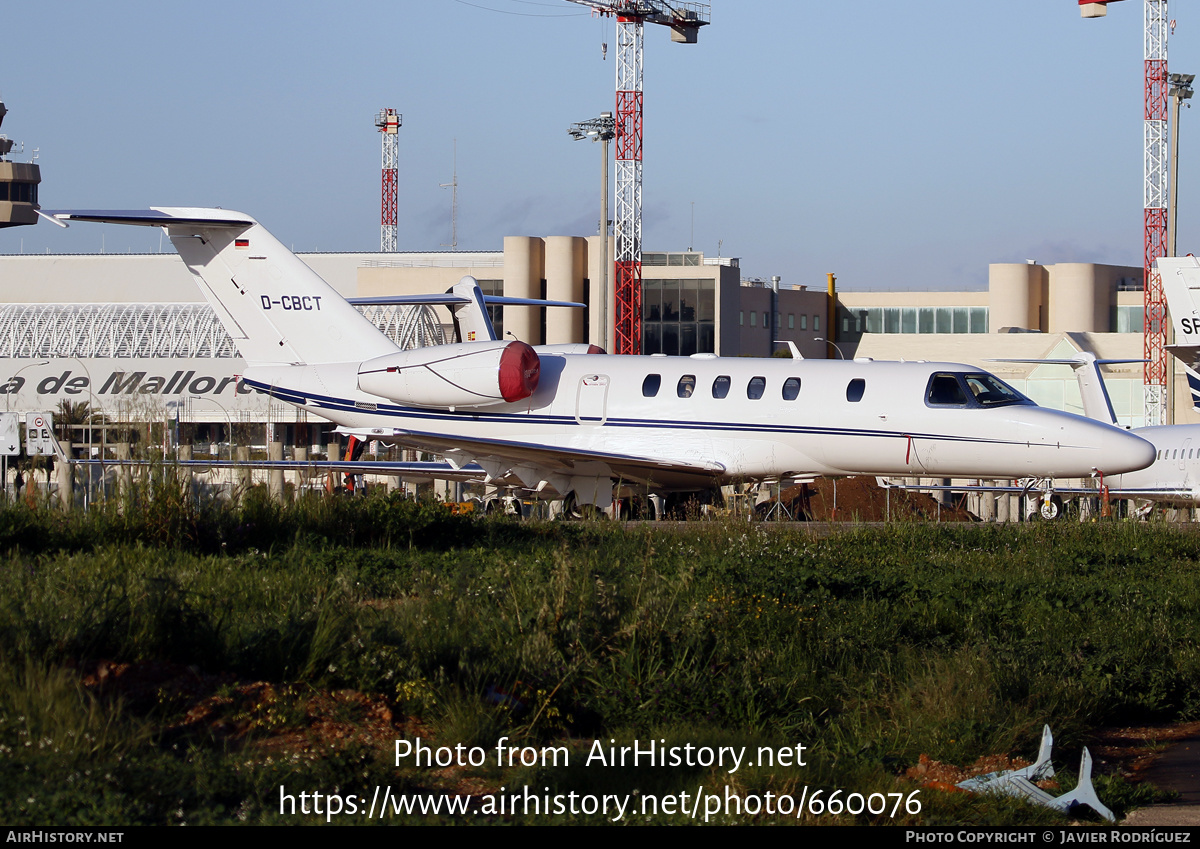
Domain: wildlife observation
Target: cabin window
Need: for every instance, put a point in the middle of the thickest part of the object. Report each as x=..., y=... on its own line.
x=855, y=389
x=756, y=387
x=720, y=386
x=650, y=385
x=687, y=385
x=945, y=391
x=791, y=388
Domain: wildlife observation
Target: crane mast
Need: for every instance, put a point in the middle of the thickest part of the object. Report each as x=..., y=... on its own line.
x=1154, y=191
x=627, y=238
x=684, y=19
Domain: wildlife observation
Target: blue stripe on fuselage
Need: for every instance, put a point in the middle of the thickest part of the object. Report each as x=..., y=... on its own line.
x=344, y=405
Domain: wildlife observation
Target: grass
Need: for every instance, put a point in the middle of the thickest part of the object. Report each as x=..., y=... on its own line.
x=241, y=625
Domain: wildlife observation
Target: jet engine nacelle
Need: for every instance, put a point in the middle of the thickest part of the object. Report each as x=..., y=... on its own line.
x=467, y=374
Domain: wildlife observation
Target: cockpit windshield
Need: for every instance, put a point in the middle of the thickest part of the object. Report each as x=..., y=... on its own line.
x=980, y=389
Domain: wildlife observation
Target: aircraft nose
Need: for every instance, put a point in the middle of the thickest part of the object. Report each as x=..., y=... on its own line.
x=1122, y=452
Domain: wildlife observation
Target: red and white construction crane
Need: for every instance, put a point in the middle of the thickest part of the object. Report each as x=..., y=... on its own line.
x=1155, y=195
x=388, y=123
x=685, y=20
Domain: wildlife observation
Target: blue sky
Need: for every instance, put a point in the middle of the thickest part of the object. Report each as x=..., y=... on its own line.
x=900, y=145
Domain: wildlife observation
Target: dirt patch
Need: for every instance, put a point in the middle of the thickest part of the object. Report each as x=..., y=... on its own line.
x=295, y=719
x=946, y=777
x=861, y=499
x=145, y=687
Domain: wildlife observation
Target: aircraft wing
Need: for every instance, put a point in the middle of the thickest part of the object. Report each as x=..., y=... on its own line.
x=1014, y=489
x=1154, y=493
x=482, y=460
x=407, y=470
x=533, y=463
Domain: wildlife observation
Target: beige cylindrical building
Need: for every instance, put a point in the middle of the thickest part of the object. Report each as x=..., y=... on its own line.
x=566, y=268
x=600, y=294
x=1080, y=303
x=1016, y=295
x=524, y=270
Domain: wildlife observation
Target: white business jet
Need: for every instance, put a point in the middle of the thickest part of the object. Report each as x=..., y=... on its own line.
x=573, y=423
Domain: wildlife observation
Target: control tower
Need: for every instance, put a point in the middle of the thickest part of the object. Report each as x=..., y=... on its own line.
x=18, y=185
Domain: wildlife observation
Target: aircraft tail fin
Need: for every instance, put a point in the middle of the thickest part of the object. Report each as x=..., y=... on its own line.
x=471, y=320
x=1096, y=401
x=277, y=309
x=1193, y=381
x=1181, y=287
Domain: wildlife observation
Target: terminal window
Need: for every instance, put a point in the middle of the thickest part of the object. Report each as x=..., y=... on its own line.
x=916, y=320
x=1128, y=319
x=679, y=317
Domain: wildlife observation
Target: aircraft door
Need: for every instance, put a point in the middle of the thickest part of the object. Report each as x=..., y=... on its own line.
x=1183, y=453
x=591, y=401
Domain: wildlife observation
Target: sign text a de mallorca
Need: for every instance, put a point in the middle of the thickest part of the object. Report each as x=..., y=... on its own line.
x=118, y=382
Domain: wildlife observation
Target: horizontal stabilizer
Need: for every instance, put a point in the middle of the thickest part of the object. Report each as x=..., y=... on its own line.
x=447, y=299
x=156, y=216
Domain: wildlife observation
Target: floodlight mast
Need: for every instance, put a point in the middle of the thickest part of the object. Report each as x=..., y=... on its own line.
x=602, y=129
x=685, y=20
x=1181, y=90
x=388, y=124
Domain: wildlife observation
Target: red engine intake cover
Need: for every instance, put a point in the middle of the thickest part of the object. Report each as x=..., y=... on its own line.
x=520, y=369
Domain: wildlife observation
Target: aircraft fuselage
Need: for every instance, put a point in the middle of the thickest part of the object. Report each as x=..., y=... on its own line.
x=744, y=418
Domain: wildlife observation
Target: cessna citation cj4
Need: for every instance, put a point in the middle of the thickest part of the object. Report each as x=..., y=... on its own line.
x=574, y=423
